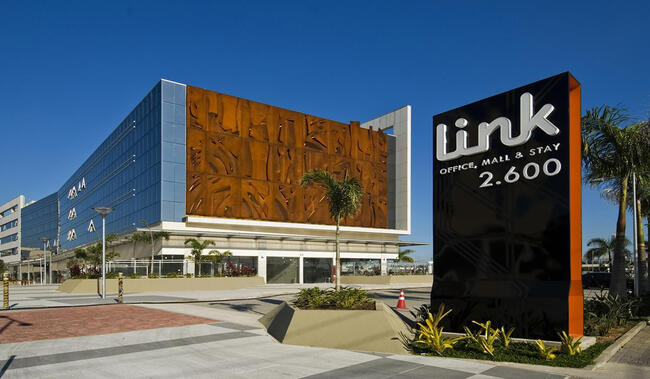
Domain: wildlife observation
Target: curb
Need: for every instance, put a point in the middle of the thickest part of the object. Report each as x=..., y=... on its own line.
x=608, y=353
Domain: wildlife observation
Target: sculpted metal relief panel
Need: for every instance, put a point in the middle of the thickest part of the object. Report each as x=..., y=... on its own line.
x=246, y=159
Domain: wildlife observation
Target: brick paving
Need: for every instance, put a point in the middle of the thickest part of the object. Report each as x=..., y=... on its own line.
x=637, y=351
x=42, y=324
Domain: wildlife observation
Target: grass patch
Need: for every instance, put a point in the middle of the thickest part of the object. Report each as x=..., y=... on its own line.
x=517, y=352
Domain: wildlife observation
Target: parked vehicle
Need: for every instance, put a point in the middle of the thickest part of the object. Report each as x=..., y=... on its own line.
x=601, y=280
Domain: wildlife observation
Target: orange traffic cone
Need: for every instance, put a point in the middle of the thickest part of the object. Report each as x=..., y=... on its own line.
x=401, y=302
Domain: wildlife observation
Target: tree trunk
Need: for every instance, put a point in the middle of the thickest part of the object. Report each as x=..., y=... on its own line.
x=648, y=281
x=617, y=286
x=152, y=254
x=338, y=256
x=642, y=259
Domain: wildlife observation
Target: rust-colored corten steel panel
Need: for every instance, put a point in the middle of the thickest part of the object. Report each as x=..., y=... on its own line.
x=245, y=160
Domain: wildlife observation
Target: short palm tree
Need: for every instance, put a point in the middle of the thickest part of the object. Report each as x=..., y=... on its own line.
x=197, y=245
x=344, y=198
x=403, y=256
x=601, y=247
x=217, y=257
x=611, y=153
x=150, y=237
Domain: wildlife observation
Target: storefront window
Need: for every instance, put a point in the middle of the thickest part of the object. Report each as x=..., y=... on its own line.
x=282, y=270
x=317, y=270
x=360, y=267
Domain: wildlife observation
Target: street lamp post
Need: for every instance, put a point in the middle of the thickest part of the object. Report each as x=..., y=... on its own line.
x=103, y=211
x=45, y=241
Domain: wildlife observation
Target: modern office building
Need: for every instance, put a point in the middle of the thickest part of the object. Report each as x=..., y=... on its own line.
x=201, y=164
x=10, y=224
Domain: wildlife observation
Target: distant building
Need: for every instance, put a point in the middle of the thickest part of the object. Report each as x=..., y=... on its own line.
x=10, y=222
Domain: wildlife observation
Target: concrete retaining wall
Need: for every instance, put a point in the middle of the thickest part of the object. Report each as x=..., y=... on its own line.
x=386, y=279
x=161, y=284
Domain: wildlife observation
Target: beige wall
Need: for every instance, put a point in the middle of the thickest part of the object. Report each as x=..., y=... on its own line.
x=160, y=285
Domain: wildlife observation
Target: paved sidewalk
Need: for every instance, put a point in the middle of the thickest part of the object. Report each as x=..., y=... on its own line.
x=37, y=296
x=633, y=359
x=225, y=349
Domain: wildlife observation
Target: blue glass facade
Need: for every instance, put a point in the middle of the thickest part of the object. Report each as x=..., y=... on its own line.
x=173, y=151
x=40, y=219
x=122, y=173
x=139, y=171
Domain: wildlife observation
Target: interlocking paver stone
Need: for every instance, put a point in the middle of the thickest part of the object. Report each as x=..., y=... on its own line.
x=31, y=325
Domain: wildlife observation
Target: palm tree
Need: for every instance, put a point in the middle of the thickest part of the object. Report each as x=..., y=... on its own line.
x=150, y=237
x=344, y=198
x=602, y=247
x=198, y=246
x=403, y=256
x=611, y=154
x=217, y=257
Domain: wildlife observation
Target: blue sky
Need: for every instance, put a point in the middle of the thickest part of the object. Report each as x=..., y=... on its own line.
x=73, y=70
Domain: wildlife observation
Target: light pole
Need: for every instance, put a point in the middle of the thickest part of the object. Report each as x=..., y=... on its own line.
x=45, y=241
x=103, y=211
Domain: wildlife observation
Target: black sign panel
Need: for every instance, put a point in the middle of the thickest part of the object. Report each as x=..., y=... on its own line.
x=504, y=237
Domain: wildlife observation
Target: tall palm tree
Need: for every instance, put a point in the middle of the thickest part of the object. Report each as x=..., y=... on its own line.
x=198, y=246
x=344, y=198
x=642, y=204
x=611, y=153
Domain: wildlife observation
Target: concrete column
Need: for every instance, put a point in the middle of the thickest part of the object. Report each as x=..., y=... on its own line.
x=301, y=268
x=261, y=267
x=189, y=266
x=384, y=266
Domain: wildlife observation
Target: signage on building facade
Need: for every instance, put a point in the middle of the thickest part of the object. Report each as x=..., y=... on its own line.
x=507, y=238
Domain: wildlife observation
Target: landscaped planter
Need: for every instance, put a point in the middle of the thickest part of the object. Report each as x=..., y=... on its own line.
x=385, y=279
x=377, y=330
x=161, y=284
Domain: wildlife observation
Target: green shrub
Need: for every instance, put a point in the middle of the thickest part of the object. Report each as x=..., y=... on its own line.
x=111, y=275
x=153, y=275
x=505, y=336
x=132, y=276
x=345, y=298
x=484, y=341
x=189, y=275
x=206, y=276
x=545, y=352
x=604, y=312
x=171, y=275
x=570, y=345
